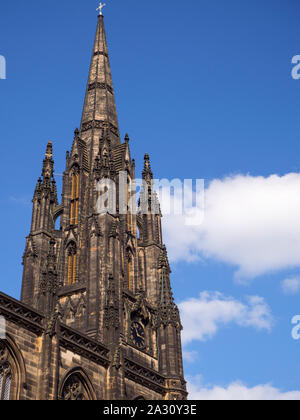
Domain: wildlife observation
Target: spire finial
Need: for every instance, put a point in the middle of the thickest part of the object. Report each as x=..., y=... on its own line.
x=49, y=151
x=100, y=86
x=101, y=5
x=48, y=162
x=147, y=173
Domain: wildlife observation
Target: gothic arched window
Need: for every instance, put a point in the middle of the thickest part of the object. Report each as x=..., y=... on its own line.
x=77, y=387
x=72, y=263
x=5, y=381
x=74, y=390
x=74, y=198
x=129, y=262
x=129, y=205
x=130, y=269
x=12, y=370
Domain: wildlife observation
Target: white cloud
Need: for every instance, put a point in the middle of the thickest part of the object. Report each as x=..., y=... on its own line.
x=202, y=317
x=291, y=286
x=252, y=223
x=237, y=391
x=190, y=356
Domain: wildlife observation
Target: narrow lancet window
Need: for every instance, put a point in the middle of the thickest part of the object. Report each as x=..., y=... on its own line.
x=129, y=274
x=129, y=212
x=72, y=264
x=74, y=199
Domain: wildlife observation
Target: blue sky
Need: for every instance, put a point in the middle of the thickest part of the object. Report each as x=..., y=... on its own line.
x=205, y=88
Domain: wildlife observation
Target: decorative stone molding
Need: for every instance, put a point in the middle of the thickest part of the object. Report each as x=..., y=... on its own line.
x=21, y=314
x=101, y=53
x=99, y=85
x=84, y=346
x=144, y=376
x=97, y=124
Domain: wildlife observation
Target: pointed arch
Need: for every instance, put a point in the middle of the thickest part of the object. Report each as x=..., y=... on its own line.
x=140, y=229
x=12, y=370
x=130, y=267
x=129, y=204
x=142, y=270
x=57, y=214
x=71, y=256
x=75, y=186
x=76, y=385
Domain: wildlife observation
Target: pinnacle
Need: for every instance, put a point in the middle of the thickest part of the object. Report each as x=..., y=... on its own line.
x=49, y=150
x=163, y=261
x=147, y=172
x=48, y=163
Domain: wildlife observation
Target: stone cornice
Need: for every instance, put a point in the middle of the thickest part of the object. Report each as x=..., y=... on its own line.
x=101, y=53
x=84, y=346
x=71, y=290
x=144, y=376
x=102, y=86
x=21, y=314
x=99, y=124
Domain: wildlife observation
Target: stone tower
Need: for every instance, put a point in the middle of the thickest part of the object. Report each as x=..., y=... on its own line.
x=100, y=285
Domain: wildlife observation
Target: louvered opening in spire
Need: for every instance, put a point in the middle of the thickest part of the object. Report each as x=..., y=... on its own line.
x=99, y=106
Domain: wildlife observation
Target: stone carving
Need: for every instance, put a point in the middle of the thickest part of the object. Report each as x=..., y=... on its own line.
x=99, y=85
x=111, y=310
x=73, y=307
x=74, y=390
x=83, y=345
x=99, y=125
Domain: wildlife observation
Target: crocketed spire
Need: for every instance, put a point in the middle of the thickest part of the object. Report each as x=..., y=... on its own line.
x=99, y=105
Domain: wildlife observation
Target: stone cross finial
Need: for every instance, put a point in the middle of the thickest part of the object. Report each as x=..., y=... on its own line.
x=101, y=5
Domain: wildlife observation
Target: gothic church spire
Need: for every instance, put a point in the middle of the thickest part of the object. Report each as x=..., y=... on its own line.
x=99, y=105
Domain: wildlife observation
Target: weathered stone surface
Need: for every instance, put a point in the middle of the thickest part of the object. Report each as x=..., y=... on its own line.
x=97, y=318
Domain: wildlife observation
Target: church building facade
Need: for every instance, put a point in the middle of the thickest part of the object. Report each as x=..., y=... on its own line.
x=97, y=319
